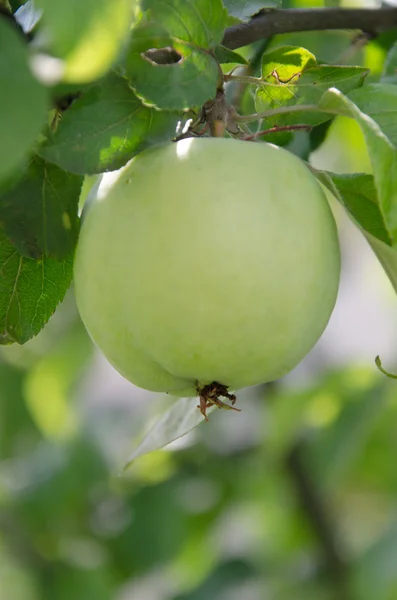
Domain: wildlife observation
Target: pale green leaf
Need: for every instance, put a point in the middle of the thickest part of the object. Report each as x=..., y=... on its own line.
x=182, y=416
x=86, y=34
x=105, y=127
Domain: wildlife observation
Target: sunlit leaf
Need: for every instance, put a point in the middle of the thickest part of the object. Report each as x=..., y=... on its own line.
x=105, y=127
x=88, y=34
x=292, y=77
x=188, y=31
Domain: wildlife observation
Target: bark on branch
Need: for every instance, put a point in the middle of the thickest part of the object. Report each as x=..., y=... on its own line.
x=275, y=21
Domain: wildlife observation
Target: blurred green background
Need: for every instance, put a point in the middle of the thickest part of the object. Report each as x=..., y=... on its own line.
x=295, y=498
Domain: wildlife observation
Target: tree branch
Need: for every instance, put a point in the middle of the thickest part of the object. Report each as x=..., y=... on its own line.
x=273, y=21
x=318, y=515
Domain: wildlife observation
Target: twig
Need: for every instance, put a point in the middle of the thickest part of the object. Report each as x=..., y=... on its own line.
x=272, y=112
x=275, y=21
x=277, y=129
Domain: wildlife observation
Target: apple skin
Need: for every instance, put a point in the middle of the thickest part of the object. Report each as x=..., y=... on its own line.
x=207, y=260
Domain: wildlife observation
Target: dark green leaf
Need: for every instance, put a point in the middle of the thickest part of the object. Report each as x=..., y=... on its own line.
x=39, y=212
x=198, y=22
x=105, y=127
x=244, y=9
x=318, y=134
x=225, y=56
x=23, y=100
x=291, y=77
x=30, y=291
x=87, y=34
x=181, y=85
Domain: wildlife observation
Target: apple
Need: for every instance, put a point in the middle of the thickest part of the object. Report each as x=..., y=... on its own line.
x=207, y=264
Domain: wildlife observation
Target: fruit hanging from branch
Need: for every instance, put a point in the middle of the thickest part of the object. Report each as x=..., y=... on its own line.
x=208, y=265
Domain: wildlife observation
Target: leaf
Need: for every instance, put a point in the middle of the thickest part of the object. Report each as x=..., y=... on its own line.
x=383, y=156
x=38, y=212
x=389, y=74
x=23, y=101
x=182, y=416
x=332, y=454
x=244, y=9
x=106, y=127
x=358, y=196
x=86, y=34
x=30, y=291
x=387, y=257
x=226, y=56
x=379, y=101
x=375, y=573
x=357, y=193
x=291, y=77
x=28, y=16
x=199, y=22
x=190, y=31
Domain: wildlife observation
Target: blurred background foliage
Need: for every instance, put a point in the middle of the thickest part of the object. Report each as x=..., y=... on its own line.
x=294, y=498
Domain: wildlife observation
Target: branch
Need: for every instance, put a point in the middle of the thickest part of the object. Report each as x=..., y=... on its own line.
x=317, y=512
x=274, y=21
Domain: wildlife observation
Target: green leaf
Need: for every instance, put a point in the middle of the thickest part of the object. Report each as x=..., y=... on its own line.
x=23, y=100
x=291, y=77
x=379, y=101
x=389, y=74
x=382, y=153
x=191, y=78
x=357, y=193
x=226, y=56
x=244, y=9
x=38, y=212
x=201, y=23
x=30, y=291
x=86, y=34
x=387, y=257
x=332, y=454
x=106, y=127
x=375, y=573
x=182, y=416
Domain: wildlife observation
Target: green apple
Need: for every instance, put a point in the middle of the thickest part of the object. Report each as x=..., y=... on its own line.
x=207, y=260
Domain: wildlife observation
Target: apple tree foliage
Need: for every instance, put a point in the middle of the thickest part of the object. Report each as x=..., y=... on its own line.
x=85, y=86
